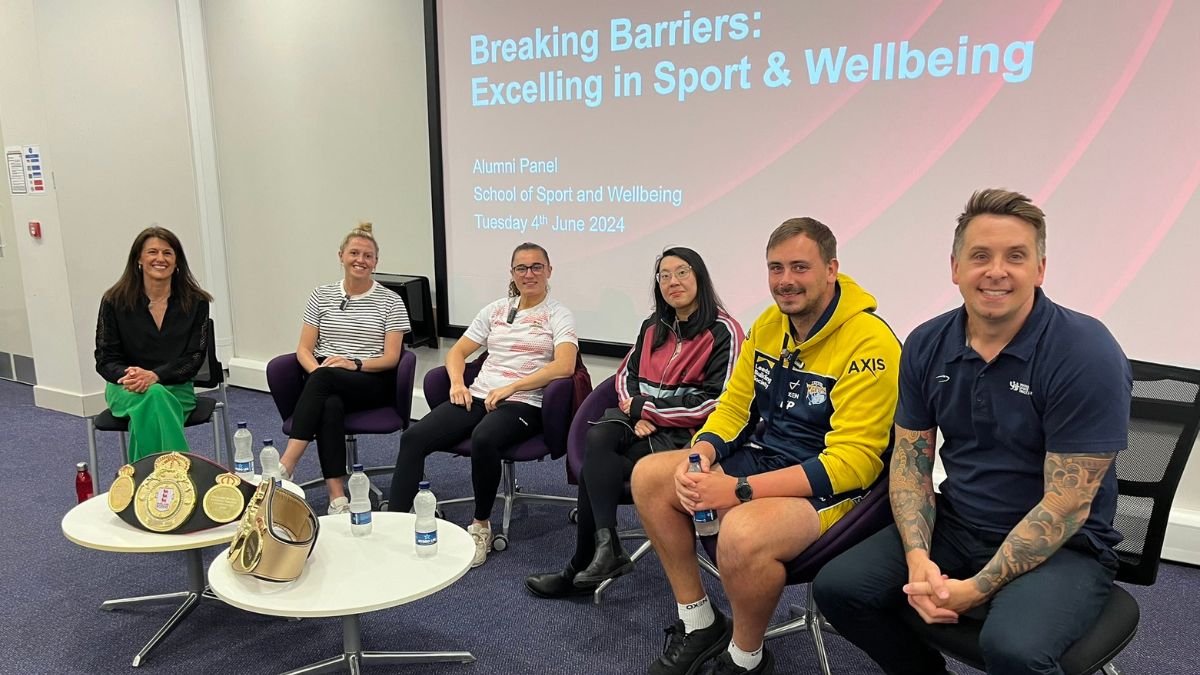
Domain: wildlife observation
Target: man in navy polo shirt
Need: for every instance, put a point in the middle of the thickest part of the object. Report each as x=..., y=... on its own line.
x=1032, y=400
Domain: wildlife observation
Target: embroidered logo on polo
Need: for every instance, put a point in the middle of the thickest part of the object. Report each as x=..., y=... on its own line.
x=815, y=392
x=942, y=378
x=1020, y=387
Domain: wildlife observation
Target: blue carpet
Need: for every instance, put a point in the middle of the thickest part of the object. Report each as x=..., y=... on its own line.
x=50, y=621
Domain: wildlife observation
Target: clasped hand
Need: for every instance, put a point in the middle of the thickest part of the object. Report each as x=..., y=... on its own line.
x=935, y=596
x=705, y=490
x=138, y=380
x=338, y=362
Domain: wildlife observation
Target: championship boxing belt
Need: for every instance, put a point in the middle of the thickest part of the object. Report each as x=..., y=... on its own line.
x=276, y=535
x=160, y=492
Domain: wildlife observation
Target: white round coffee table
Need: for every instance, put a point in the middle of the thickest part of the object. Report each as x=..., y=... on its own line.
x=93, y=525
x=347, y=576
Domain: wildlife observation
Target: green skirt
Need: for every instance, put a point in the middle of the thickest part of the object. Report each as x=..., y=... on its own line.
x=155, y=417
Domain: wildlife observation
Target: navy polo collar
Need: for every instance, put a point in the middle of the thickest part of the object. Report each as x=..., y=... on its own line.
x=1023, y=343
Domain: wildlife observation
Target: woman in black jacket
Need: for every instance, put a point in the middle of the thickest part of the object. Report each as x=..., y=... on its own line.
x=151, y=340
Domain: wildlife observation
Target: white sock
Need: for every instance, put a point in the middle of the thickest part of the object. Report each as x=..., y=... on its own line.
x=747, y=660
x=696, y=615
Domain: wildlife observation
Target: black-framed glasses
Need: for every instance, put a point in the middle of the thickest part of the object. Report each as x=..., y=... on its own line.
x=536, y=268
x=681, y=274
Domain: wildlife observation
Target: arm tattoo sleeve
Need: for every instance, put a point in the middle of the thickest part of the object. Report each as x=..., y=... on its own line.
x=911, y=487
x=1071, y=482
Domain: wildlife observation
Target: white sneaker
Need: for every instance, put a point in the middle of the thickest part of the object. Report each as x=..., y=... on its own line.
x=339, y=506
x=483, y=543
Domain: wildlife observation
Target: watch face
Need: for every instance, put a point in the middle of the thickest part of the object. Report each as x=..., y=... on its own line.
x=743, y=491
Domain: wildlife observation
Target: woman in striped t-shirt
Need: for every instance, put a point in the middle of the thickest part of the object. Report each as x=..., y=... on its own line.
x=350, y=343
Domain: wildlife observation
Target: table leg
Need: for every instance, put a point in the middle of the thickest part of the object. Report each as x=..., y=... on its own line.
x=353, y=657
x=191, y=597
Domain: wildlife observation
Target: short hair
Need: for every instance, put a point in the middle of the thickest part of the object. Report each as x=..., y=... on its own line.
x=811, y=228
x=363, y=231
x=1000, y=202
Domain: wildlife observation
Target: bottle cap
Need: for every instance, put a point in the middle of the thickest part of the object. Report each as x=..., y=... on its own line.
x=267, y=441
x=241, y=425
x=695, y=457
x=358, y=468
x=423, y=485
x=82, y=466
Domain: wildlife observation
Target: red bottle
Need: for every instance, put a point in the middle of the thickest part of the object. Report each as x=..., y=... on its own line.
x=83, y=483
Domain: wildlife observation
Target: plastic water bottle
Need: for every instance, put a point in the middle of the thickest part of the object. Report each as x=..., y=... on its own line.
x=426, y=526
x=360, y=502
x=706, y=521
x=243, y=452
x=268, y=457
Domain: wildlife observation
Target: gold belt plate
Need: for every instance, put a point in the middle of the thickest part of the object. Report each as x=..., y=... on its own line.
x=166, y=499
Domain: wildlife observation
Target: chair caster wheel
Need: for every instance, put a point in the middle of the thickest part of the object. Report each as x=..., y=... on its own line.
x=500, y=542
x=573, y=516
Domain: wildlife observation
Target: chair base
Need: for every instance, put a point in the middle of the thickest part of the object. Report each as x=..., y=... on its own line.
x=510, y=493
x=810, y=619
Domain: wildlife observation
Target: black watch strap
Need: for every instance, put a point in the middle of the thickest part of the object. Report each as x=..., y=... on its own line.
x=743, y=490
x=358, y=364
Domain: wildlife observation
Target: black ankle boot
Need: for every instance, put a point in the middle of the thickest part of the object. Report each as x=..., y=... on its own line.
x=610, y=560
x=555, y=585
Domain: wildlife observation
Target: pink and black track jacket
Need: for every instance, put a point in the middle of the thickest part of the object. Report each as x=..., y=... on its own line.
x=675, y=387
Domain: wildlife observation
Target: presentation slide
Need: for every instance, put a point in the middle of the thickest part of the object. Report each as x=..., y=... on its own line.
x=607, y=131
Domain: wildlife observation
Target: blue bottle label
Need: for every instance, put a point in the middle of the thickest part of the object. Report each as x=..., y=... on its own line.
x=243, y=467
x=363, y=518
x=426, y=538
x=705, y=516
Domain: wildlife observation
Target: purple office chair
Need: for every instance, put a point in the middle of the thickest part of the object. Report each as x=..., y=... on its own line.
x=872, y=514
x=557, y=410
x=285, y=379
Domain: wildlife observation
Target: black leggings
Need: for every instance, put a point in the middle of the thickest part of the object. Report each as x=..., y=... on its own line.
x=330, y=393
x=612, y=450
x=448, y=425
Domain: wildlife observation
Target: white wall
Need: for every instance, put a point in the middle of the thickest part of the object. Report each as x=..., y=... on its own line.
x=320, y=117
x=102, y=93
x=14, y=322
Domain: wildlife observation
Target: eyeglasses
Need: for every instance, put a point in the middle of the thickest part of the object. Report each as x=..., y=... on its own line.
x=536, y=268
x=681, y=274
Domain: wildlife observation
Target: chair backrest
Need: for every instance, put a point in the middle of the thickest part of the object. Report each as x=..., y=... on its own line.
x=211, y=373
x=603, y=397
x=406, y=376
x=1163, y=422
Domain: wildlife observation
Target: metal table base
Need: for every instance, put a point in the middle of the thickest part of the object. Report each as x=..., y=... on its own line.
x=353, y=657
x=196, y=591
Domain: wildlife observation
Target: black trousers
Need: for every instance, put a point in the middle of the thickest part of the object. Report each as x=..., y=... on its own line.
x=448, y=425
x=611, y=451
x=330, y=393
x=1030, y=622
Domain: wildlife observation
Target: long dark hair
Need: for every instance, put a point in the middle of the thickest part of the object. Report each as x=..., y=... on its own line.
x=129, y=290
x=707, y=300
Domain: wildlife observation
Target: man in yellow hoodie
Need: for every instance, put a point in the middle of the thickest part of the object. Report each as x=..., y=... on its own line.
x=818, y=370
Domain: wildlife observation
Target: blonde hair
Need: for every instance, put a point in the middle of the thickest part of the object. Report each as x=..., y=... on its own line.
x=363, y=231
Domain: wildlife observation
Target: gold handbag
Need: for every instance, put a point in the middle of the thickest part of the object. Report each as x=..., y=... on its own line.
x=276, y=536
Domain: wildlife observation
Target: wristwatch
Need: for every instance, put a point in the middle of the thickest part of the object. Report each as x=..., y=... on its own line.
x=357, y=364
x=743, y=490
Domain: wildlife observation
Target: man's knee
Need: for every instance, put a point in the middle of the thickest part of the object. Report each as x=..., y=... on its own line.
x=1008, y=648
x=653, y=476
x=746, y=539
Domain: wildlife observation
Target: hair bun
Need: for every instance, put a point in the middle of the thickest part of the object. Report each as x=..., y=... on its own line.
x=365, y=226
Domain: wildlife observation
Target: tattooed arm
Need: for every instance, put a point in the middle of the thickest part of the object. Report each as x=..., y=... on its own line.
x=914, y=509
x=911, y=488
x=1070, y=483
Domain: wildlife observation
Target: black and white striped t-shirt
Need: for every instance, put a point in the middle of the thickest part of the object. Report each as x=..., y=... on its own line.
x=354, y=327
